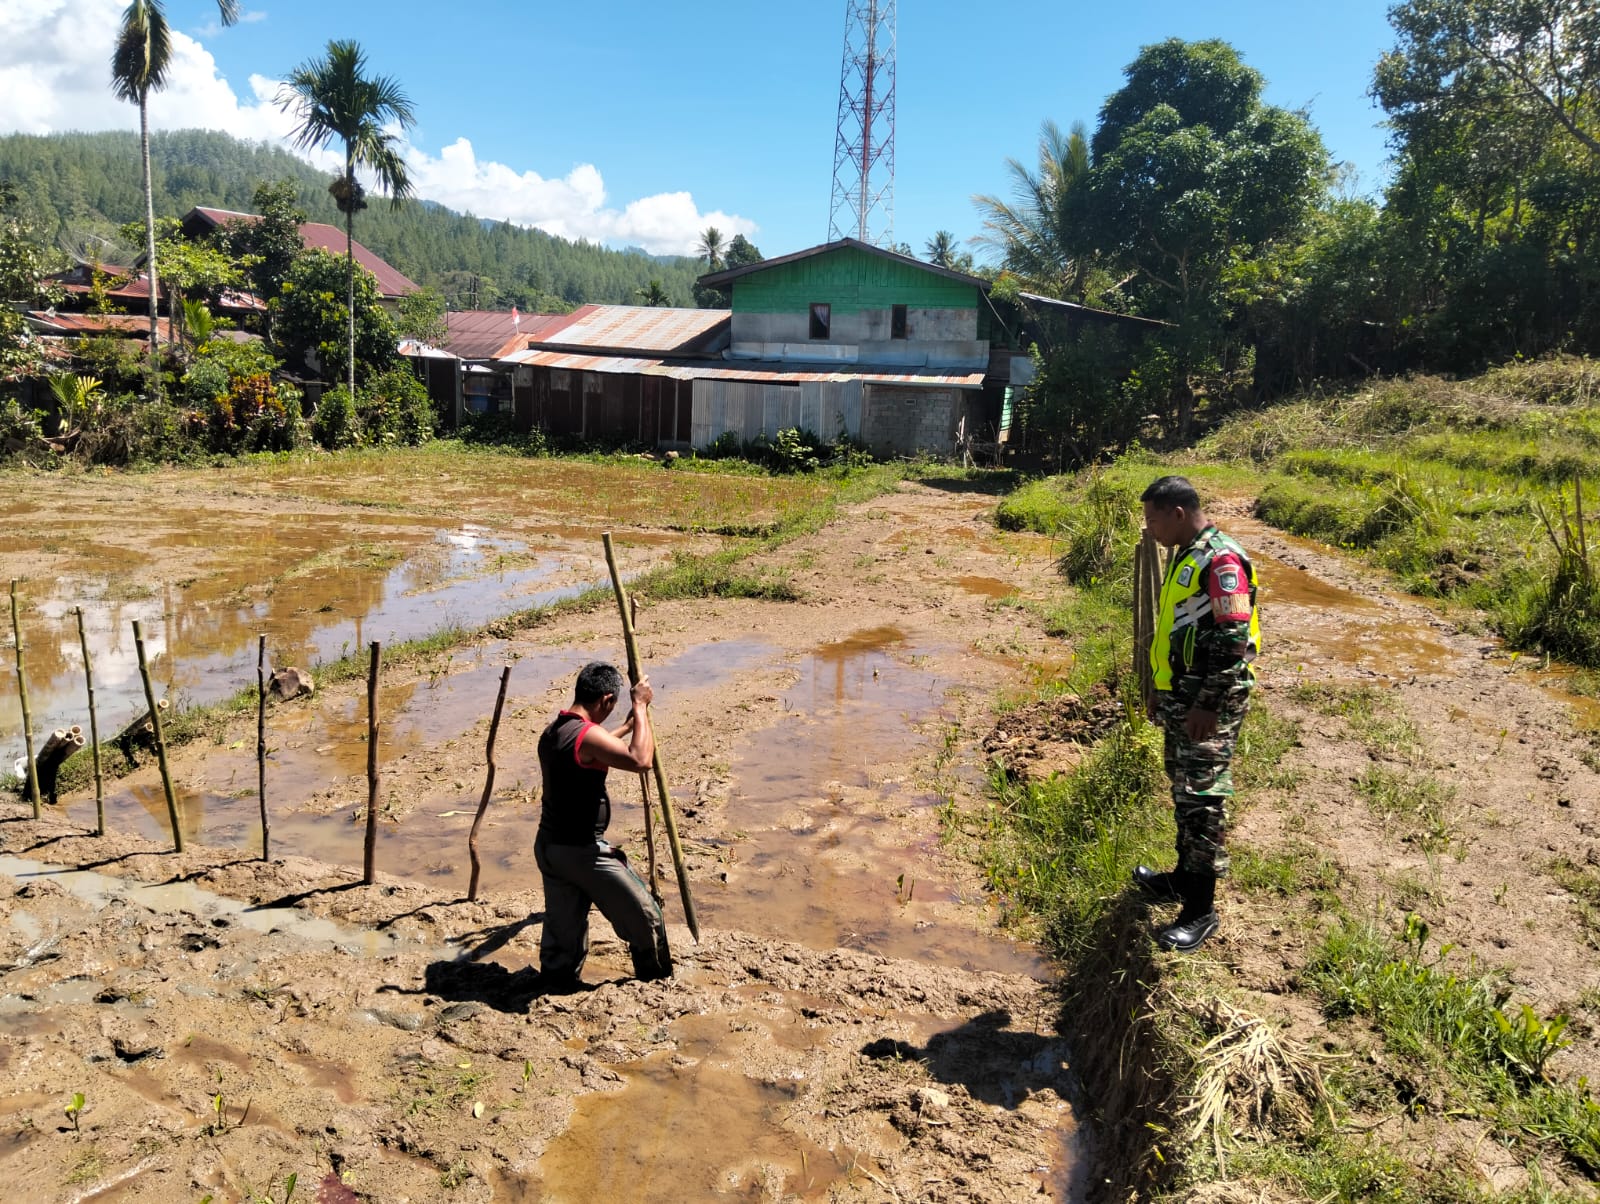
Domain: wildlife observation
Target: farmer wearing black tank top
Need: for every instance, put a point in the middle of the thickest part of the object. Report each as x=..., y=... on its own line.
x=578, y=865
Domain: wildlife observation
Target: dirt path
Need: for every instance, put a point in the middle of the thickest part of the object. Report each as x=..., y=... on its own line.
x=852, y=1026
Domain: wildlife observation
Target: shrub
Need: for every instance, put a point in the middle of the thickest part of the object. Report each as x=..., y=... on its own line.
x=394, y=407
x=335, y=424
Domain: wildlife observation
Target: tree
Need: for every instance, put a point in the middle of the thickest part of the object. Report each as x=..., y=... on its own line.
x=742, y=252
x=1467, y=57
x=268, y=246
x=308, y=319
x=653, y=294
x=24, y=263
x=336, y=100
x=941, y=249
x=710, y=248
x=1039, y=234
x=1194, y=179
x=421, y=317
x=139, y=63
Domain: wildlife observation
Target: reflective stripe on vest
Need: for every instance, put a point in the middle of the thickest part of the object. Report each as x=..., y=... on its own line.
x=1183, y=604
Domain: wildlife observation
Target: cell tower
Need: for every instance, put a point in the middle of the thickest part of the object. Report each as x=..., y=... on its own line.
x=863, y=147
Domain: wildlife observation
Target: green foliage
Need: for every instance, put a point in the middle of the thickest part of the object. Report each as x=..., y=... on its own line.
x=335, y=423
x=1063, y=848
x=394, y=407
x=421, y=317
x=309, y=318
x=24, y=263
x=1455, y=1026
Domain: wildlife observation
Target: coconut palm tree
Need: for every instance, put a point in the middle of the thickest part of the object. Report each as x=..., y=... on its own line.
x=337, y=101
x=139, y=63
x=711, y=247
x=941, y=249
x=1038, y=233
x=652, y=294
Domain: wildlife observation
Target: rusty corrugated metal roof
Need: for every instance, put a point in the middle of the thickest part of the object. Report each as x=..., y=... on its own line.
x=757, y=371
x=641, y=328
x=126, y=325
x=486, y=334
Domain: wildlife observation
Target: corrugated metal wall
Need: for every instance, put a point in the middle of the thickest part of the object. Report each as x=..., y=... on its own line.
x=750, y=409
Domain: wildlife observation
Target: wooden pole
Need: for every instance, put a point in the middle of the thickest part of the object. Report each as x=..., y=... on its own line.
x=667, y=819
x=261, y=745
x=88, y=681
x=488, y=785
x=161, y=740
x=27, y=715
x=372, y=762
x=650, y=836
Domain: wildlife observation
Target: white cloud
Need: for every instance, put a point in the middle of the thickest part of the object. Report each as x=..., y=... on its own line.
x=54, y=74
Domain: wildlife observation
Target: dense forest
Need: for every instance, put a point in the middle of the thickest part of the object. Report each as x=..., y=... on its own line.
x=84, y=183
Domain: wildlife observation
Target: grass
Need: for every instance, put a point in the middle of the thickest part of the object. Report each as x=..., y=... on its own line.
x=1582, y=883
x=1443, y=483
x=1418, y=803
x=1461, y=1047
x=1296, y=869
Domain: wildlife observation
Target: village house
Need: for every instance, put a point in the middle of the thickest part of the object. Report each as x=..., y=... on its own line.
x=841, y=339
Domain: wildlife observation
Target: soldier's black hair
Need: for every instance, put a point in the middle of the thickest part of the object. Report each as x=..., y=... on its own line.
x=595, y=681
x=1171, y=492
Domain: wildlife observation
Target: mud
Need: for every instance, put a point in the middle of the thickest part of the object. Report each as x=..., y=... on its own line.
x=851, y=1026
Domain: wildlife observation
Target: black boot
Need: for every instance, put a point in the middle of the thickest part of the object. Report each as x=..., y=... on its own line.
x=1198, y=919
x=1154, y=885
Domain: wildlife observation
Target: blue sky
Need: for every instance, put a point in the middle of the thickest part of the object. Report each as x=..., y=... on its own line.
x=630, y=122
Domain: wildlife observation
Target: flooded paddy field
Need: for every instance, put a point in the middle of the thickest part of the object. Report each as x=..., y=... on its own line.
x=852, y=1024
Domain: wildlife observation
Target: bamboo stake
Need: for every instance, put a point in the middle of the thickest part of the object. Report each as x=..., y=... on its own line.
x=161, y=740
x=667, y=819
x=650, y=836
x=372, y=762
x=261, y=745
x=27, y=715
x=488, y=785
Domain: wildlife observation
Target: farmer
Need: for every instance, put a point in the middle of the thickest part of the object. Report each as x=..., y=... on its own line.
x=1207, y=636
x=578, y=866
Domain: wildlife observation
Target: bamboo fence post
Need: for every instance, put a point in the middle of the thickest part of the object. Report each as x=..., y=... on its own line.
x=94, y=733
x=261, y=745
x=662, y=790
x=488, y=785
x=649, y=836
x=27, y=716
x=372, y=763
x=161, y=740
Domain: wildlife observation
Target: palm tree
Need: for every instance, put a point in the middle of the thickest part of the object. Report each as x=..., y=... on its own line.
x=941, y=249
x=710, y=248
x=139, y=63
x=653, y=294
x=338, y=101
x=1039, y=234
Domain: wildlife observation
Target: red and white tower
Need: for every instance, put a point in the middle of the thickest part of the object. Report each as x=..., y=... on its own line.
x=863, y=147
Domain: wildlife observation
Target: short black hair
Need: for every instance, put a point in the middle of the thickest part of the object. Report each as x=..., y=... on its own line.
x=1167, y=493
x=595, y=681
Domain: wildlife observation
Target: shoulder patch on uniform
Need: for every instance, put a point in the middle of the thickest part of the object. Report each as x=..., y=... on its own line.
x=1228, y=580
x=1186, y=574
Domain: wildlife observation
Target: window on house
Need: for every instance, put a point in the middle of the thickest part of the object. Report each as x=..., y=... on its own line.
x=897, y=322
x=821, y=317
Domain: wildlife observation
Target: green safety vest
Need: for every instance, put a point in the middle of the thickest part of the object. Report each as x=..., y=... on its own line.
x=1184, y=603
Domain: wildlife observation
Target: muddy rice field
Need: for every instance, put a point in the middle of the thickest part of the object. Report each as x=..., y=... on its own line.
x=853, y=1023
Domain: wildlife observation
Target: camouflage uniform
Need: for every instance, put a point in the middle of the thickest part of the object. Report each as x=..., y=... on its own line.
x=1207, y=637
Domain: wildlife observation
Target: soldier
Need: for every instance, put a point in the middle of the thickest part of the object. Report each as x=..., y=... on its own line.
x=1206, y=640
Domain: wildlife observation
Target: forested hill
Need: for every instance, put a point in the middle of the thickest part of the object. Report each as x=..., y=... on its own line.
x=91, y=181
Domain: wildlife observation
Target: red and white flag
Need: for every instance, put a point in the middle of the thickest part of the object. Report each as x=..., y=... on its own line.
x=516, y=318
